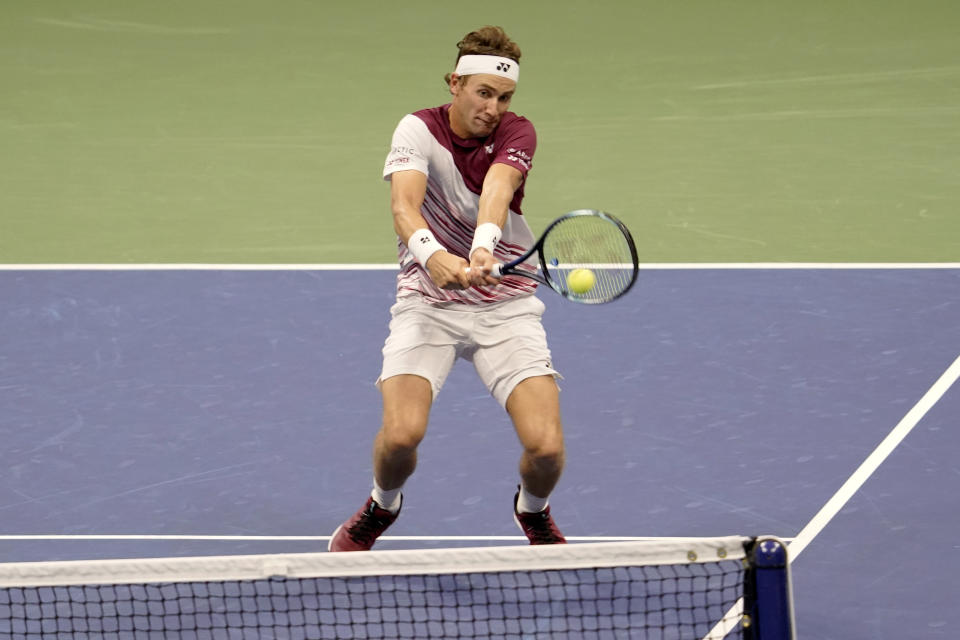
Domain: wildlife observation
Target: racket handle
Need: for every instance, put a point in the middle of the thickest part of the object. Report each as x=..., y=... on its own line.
x=496, y=271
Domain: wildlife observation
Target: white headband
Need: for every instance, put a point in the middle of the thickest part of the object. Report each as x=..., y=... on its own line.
x=494, y=65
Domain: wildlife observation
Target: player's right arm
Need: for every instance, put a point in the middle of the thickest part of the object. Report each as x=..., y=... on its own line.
x=407, y=191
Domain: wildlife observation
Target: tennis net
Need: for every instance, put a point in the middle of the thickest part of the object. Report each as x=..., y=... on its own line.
x=697, y=588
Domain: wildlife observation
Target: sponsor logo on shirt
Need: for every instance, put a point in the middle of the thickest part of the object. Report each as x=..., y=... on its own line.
x=519, y=156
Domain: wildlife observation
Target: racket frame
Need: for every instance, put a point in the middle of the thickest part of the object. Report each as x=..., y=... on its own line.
x=511, y=268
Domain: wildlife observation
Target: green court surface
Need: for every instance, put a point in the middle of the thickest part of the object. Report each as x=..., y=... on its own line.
x=208, y=131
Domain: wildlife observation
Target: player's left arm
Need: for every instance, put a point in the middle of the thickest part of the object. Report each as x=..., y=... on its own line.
x=499, y=186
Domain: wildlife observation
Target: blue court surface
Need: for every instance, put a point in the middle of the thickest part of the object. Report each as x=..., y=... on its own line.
x=217, y=411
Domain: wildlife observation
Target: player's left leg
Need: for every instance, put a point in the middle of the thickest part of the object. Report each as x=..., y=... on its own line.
x=515, y=366
x=534, y=407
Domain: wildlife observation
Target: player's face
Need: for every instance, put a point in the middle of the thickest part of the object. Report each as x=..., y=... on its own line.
x=478, y=103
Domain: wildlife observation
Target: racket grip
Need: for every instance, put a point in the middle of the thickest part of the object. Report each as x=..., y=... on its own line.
x=496, y=270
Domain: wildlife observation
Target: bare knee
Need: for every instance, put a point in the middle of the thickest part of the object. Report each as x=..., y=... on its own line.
x=406, y=410
x=535, y=409
x=546, y=449
x=400, y=436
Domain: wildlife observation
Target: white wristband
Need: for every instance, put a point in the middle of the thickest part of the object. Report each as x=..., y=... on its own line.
x=486, y=237
x=422, y=245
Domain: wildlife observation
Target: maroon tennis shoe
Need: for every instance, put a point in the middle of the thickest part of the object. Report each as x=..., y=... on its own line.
x=362, y=530
x=538, y=527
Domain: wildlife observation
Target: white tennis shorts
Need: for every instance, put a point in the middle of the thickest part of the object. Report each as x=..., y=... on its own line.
x=505, y=341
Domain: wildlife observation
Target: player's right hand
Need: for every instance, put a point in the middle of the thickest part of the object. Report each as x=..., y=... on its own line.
x=448, y=271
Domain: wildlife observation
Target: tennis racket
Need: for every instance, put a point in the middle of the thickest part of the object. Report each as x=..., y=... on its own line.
x=587, y=256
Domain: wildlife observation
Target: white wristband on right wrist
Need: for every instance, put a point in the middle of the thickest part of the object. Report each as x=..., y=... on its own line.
x=422, y=245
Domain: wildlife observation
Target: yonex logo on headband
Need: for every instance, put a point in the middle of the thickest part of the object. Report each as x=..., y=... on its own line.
x=494, y=65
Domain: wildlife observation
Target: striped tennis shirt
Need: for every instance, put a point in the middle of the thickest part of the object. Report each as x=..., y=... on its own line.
x=455, y=168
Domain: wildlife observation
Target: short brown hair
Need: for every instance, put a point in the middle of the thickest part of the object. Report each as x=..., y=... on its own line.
x=487, y=41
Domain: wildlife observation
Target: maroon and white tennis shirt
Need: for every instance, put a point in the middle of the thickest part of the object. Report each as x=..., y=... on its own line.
x=455, y=169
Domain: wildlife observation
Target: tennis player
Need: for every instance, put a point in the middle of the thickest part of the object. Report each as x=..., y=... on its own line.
x=457, y=174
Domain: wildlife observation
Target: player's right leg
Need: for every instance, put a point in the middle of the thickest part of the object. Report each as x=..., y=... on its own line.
x=417, y=357
x=406, y=409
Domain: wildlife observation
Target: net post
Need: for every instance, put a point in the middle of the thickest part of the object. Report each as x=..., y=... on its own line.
x=768, y=595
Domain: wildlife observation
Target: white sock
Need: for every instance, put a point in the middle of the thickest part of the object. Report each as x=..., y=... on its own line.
x=386, y=499
x=529, y=503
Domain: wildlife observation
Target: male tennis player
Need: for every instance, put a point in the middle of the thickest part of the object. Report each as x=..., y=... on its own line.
x=456, y=176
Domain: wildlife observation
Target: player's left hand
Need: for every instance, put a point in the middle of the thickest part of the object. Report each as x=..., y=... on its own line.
x=481, y=266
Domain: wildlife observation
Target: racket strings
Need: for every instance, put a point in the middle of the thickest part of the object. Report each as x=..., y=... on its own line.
x=590, y=242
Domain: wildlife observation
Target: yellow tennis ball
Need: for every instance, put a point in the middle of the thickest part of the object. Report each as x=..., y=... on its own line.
x=581, y=280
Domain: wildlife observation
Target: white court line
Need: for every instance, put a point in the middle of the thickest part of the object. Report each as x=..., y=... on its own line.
x=394, y=267
x=242, y=538
x=874, y=460
x=198, y=267
x=854, y=482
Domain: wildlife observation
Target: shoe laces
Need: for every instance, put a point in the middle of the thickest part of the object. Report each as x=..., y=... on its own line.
x=540, y=526
x=368, y=527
